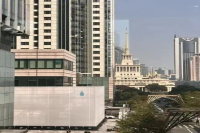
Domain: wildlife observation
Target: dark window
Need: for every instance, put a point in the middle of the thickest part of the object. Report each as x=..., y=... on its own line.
x=96, y=18
x=96, y=63
x=96, y=35
x=35, y=44
x=35, y=31
x=35, y=1
x=35, y=25
x=47, y=43
x=50, y=81
x=96, y=75
x=96, y=12
x=96, y=69
x=25, y=37
x=47, y=37
x=96, y=40
x=35, y=19
x=47, y=6
x=47, y=12
x=24, y=43
x=96, y=6
x=96, y=23
x=96, y=29
x=96, y=46
x=35, y=7
x=47, y=31
x=47, y=24
x=95, y=0
x=35, y=37
x=47, y=0
x=47, y=18
x=42, y=81
x=96, y=58
x=35, y=13
x=96, y=52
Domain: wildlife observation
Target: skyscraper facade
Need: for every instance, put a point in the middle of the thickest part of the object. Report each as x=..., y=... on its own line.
x=100, y=37
x=44, y=57
x=12, y=23
x=195, y=67
x=184, y=48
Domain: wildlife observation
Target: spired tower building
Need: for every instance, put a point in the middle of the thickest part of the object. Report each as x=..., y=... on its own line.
x=128, y=73
x=127, y=70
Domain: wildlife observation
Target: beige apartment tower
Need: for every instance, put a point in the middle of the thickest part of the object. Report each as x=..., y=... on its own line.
x=44, y=57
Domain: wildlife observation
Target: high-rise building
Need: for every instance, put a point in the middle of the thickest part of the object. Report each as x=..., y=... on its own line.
x=44, y=57
x=118, y=54
x=100, y=38
x=86, y=28
x=12, y=23
x=144, y=70
x=195, y=67
x=184, y=48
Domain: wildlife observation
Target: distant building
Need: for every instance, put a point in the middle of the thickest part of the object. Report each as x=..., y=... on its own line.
x=189, y=83
x=144, y=70
x=164, y=72
x=129, y=74
x=195, y=67
x=184, y=48
x=118, y=54
x=160, y=71
x=136, y=61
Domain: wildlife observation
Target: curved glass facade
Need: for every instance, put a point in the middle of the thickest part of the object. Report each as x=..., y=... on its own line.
x=6, y=88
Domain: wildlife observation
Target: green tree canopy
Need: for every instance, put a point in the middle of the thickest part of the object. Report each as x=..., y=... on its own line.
x=183, y=88
x=143, y=120
x=156, y=88
x=191, y=99
x=124, y=93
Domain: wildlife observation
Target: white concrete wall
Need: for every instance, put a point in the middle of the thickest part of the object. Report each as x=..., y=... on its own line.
x=58, y=106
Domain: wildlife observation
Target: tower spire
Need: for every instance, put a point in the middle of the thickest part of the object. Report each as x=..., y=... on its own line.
x=127, y=43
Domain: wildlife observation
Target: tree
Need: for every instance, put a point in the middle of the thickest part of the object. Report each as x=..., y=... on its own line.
x=191, y=99
x=156, y=88
x=183, y=88
x=143, y=120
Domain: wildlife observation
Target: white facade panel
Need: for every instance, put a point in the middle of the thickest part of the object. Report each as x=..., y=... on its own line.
x=58, y=106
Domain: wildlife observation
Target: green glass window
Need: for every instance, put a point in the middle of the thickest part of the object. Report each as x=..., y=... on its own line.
x=41, y=64
x=16, y=64
x=50, y=64
x=22, y=64
x=58, y=64
x=32, y=64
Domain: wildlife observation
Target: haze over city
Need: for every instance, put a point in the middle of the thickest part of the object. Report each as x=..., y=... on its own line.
x=152, y=25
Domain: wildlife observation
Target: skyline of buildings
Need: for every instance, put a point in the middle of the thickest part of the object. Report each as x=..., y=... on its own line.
x=87, y=30
x=184, y=49
x=128, y=73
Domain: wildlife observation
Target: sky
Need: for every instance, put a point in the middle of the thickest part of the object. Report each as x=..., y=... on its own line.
x=152, y=25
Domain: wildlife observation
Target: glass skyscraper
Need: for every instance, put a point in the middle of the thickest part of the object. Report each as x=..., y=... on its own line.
x=184, y=49
x=12, y=23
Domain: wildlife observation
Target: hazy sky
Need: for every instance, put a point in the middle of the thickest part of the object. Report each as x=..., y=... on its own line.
x=152, y=25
